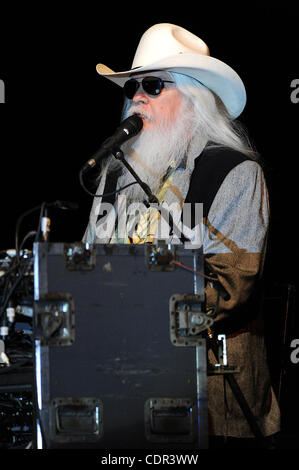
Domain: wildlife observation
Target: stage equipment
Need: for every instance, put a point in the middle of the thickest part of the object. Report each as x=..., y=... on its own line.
x=16, y=366
x=120, y=351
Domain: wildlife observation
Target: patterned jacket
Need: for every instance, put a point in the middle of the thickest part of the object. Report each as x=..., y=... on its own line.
x=236, y=218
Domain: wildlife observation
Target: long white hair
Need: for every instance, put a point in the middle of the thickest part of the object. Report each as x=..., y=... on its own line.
x=212, y=120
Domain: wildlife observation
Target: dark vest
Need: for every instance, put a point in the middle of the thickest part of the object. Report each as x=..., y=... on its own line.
x=210, y=169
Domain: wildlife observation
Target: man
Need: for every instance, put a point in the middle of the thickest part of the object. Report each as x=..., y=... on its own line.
x=191, y=150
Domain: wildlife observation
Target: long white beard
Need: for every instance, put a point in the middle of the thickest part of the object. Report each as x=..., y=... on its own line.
x=152, y=152
x=176, y=144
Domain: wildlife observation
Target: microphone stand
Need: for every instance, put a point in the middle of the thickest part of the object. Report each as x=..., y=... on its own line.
x=119, y=155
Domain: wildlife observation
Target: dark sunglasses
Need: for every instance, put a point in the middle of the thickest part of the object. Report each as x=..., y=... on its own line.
x=151, y=85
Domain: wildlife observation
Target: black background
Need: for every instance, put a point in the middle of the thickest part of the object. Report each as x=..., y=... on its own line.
x=58, y=110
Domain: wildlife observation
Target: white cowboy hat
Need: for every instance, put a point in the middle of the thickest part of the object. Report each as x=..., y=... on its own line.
x=169, y=47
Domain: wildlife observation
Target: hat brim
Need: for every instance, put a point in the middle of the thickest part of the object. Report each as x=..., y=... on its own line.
x=211, y=72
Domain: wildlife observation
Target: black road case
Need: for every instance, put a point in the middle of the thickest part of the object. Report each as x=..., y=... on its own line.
x=120, y=360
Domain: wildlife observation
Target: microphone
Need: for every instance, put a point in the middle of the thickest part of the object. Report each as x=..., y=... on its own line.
x=127, y=129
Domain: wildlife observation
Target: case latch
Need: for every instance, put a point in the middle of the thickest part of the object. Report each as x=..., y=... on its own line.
x=187, y=319
x=55, y=319
x=159, y=257
x=79, y=256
